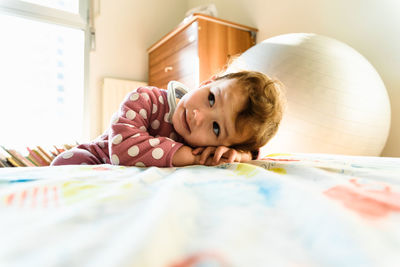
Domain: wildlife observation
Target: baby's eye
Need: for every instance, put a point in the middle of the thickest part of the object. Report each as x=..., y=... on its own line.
x=211, y=99
x=216, y=128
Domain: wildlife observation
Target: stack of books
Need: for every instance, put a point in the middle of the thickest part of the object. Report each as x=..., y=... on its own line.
x=33, y=157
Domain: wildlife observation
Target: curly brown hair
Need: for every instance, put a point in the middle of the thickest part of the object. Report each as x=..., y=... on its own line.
x=263, y=111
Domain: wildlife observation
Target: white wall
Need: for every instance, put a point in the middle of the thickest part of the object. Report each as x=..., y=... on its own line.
x=371, y=27
x=126, y=28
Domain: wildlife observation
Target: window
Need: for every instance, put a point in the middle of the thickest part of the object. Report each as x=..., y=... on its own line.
x=71, y=6
x=43, y=53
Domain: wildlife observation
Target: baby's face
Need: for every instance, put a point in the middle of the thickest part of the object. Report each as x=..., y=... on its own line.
x=206, y=116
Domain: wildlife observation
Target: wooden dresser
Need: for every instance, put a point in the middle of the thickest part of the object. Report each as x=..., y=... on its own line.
x=196, y=50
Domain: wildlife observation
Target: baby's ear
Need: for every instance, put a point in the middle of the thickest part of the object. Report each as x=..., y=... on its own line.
x=212, y=79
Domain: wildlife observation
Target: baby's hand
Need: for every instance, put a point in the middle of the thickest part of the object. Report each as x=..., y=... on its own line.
x=212, y=156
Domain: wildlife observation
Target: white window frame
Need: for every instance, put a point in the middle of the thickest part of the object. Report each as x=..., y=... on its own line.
x=63, y=18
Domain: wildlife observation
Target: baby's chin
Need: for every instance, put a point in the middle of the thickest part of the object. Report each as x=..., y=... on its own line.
x=194, y=143
x=187, y=140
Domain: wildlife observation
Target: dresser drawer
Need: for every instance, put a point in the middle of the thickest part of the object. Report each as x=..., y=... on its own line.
x=188, y=80
x=183, y=63
x=174, y=44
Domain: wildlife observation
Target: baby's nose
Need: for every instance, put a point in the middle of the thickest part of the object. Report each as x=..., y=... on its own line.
x=197, y=117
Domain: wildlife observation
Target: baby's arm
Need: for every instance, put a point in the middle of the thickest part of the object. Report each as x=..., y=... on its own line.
x=212, y=156
x=184, y=156
x=132, y=140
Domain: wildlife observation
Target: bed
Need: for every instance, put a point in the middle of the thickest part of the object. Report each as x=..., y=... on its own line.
x=283, y=210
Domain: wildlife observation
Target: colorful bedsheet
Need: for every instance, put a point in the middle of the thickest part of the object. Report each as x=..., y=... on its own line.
x=285, y=210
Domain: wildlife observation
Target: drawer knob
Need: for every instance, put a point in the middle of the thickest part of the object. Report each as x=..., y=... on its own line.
x=167, y=69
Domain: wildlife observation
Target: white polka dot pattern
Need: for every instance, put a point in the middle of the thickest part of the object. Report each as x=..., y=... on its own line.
x=157, y=153
x=143, y=113
x=67, y=155
x=133, y=151
x=154, y=109
x=114, y=118
x=130, y=114
x=115, y=159
x=140, y=164
x=161, y=99
x=117, y=139
x=145, y=96
x=134, y=97
x=154, y=142
x=155, y=124
x=166, y=117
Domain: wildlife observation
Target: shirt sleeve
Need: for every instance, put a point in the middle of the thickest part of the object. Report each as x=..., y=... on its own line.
x=140, y=135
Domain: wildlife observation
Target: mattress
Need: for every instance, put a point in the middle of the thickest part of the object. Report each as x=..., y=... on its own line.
x=284, y=210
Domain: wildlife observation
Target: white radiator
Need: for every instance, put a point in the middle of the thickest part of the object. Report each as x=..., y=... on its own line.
x=114, y=91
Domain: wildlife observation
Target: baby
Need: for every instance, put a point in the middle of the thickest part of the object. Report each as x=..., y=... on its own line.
x=227, y=119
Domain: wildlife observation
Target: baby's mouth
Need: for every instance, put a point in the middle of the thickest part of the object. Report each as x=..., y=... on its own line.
x=185, y=121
